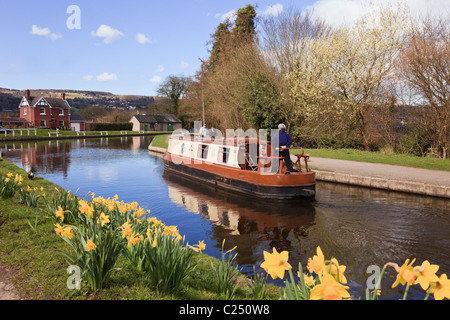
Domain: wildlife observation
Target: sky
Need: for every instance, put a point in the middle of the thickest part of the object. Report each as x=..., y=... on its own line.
x=130, y=47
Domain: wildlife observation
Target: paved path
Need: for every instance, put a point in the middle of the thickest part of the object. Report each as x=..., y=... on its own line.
x=393, y=172
x=390, y=177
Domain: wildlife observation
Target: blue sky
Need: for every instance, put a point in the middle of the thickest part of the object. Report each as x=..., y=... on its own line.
x=126, y=47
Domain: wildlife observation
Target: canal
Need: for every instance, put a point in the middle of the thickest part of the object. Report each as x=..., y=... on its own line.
x=359, y=227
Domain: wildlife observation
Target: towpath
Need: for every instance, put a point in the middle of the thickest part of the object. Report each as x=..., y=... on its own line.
x=383, y=176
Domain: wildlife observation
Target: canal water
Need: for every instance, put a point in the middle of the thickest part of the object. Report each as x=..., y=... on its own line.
x=358, y=226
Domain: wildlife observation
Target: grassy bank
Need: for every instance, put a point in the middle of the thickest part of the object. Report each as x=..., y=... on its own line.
x=160, y=141
x=29, y=244
x=66, y=134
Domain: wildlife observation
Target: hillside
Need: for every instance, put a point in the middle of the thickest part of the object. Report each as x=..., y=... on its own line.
x=10, y=99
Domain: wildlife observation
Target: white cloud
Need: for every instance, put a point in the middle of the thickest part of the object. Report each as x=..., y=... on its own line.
x=184, y=65
x=44, y=32
x=230, y=15
x=142, y=38
x=106, y=77
x=156, y=79
x=160, y=68
x=107, y=33
x=55, y=36
x=336, y=12
x=88, y=77
x=274, y=10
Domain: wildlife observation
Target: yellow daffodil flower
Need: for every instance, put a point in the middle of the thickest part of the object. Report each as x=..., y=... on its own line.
x=337, y=271
x=317, y=263
x=405, y=274
x=90, y=245
x=426, y=274
x=276, y=263
x=86, y=208
x=104, y=219
x=309, y=280
x=441, y=289
x=134, y=239
x=127, y=229
x=59, y=229
x=9, y=174
x=60, y=213
x=68, y=232
x=329, y=289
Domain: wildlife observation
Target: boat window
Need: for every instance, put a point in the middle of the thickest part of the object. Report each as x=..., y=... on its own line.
x=182, y=148
x=202, y=151
x=223, y=154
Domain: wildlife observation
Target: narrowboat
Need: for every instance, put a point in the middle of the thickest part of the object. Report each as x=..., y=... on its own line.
x=241, y=165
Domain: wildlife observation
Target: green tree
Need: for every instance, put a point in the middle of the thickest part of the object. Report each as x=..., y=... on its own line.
x=263, y=102
x=93, y=113
x=174, y=88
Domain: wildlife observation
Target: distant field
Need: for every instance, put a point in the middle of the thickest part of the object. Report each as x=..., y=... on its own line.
x=378, y=157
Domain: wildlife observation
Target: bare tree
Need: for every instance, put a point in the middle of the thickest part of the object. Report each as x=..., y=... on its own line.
x=283, y=40
x=425, y=67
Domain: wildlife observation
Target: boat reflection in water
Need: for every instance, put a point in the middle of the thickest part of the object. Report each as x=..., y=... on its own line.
x=252, y=226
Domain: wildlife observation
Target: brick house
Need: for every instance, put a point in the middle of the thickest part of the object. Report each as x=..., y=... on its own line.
x=42, y=112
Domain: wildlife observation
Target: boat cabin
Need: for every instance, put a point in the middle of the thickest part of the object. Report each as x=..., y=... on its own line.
x=250, y=154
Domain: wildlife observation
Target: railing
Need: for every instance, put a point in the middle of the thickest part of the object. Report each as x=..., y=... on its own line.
x=21, y=131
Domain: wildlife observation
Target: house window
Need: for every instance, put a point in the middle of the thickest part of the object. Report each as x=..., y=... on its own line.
x=223, y=154
x=61, y=112
x=42, y=111
x=202, y=151
x=25, y=110
x=61, y=123
x=43, y=124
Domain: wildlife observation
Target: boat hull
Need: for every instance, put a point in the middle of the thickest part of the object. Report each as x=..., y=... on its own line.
x=251, y=183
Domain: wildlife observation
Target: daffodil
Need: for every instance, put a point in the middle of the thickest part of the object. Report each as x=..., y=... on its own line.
x=405, y=274
x=127, y=229
x=309, y=280
x=60, y=213
x=104, y=219
x=59, y=229
x=441, y=289
x=276, y=263
x=426, y=274
x=134, y=239
x=68, y=232
x=90, y=245
x=198, y=247
x=9, y=174
x=329, y=289
x=337, y=271
x=317, y=263
x=86, y=208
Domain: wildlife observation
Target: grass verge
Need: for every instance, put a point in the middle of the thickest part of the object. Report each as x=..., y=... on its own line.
x=29, y=245
x=379, y=157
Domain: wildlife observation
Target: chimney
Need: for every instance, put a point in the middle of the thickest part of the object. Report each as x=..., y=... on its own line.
x=27, y=94
x=63, y=96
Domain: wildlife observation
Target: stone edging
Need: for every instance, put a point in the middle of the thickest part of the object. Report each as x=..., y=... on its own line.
x=385, y=184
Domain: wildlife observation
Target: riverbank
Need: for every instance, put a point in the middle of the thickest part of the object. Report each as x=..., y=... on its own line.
x=44, y=135
x=425, y=182
x=32, y=265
